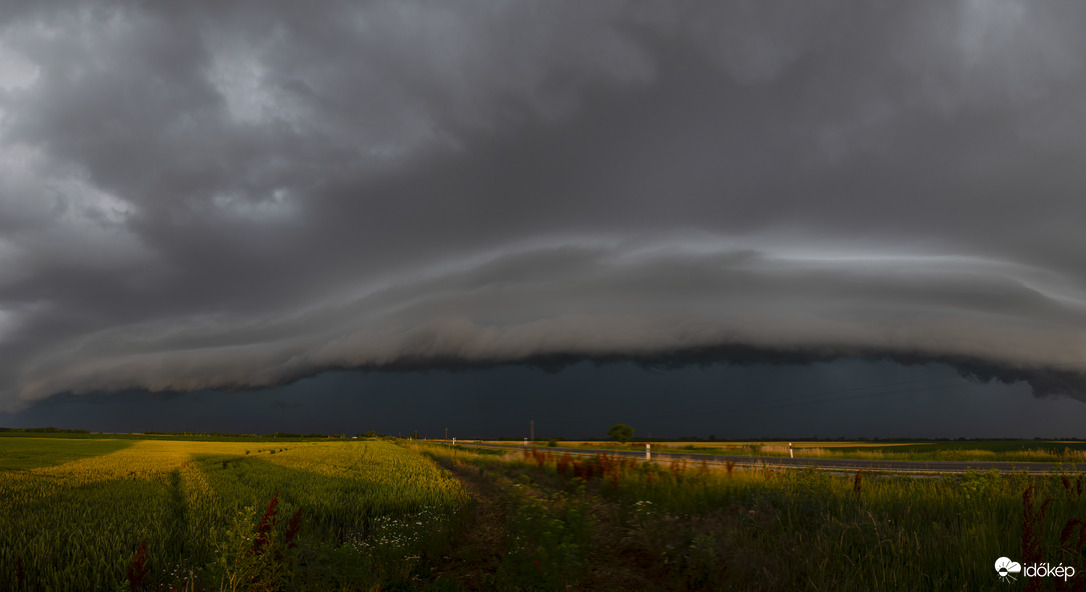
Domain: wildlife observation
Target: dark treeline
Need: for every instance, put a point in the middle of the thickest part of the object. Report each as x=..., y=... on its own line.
x=49, y=430
x=195, y=435
x=182, y=435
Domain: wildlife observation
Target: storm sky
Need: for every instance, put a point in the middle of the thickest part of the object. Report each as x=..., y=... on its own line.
x=216, y=197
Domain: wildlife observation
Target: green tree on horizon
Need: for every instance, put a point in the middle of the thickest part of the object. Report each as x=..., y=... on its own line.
x=621, y=433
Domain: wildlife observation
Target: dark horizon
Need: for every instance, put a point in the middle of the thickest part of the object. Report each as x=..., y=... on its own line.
x=844, y=398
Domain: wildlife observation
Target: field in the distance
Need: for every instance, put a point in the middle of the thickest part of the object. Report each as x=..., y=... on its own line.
x=1055, y=451
x=158, y=514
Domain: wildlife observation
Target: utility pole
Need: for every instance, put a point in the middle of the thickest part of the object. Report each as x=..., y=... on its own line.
x=531, y=424
x=446, y=435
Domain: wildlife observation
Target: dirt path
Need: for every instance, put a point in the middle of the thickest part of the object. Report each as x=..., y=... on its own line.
x=476, y=557
x=477, y=552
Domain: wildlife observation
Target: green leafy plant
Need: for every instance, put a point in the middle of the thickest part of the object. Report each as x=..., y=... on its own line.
x=251, y=556
x=137, y=571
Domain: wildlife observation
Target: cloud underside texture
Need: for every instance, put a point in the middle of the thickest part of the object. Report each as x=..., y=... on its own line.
x=204, y=196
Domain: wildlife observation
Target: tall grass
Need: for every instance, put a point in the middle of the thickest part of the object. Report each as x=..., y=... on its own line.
x=689, y=525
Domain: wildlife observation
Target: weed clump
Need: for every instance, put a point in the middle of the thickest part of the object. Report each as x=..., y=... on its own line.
x=137, y=571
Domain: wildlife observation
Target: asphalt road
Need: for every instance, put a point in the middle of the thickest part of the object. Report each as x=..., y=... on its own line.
x=844, y=465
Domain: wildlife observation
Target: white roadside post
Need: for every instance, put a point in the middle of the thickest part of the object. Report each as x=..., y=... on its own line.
x=526, y=442
x=648, y=451
x=454, y=440
x=790, y=454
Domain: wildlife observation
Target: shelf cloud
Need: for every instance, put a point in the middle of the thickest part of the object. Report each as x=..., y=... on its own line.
x=209, y=196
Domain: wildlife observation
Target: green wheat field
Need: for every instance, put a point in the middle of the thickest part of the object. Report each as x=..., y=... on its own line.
x=143, y=513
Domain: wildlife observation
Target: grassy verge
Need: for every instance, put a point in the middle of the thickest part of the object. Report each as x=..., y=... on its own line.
x=1008, y=451
x=607, y=523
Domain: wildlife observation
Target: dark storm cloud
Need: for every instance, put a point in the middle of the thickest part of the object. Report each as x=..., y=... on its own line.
x=198, y=195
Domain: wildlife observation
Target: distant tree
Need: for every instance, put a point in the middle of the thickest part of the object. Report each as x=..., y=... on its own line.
x=620, y=432
x=371, y=434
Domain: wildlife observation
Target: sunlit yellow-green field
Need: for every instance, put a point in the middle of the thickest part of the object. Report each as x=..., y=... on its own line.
x=76, y=512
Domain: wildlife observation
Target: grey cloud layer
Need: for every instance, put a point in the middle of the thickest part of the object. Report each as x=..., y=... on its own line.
x=197, y=196
x=594, y=301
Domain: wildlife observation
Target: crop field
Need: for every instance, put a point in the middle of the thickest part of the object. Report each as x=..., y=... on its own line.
x=107, y=514
x=131, y=514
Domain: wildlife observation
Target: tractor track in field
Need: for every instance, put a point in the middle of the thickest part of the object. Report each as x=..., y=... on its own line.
x=478, y=555
x=475, y=556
